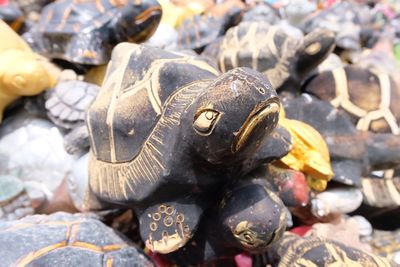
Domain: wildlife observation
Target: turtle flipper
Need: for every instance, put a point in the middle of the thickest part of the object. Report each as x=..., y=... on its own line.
x=168, y=226
x=382, y=151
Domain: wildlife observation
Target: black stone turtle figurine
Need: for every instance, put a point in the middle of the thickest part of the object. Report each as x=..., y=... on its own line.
x=66, y=107
x=370, y=99
x=353, y=153
x=284, y=60
x=249, y=218
x=84, y=32
x=293, y=250
x=63, y=239
x=346, y=19
x=165, y=128
x=202, y=30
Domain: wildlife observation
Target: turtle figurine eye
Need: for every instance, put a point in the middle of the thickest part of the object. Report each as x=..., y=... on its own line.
x=313, y=48
x=205, y=121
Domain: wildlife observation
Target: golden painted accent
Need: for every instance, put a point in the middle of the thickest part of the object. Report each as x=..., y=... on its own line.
x=113, y=247
x=169, y=210
x=25, y=260
x=156, y=216
x=255, y=117
x=65, y=16
x=89, y=54
x=167, y=244
x=162, y=208
x=109, y=262
x=168, y=221
x=309, y=154
x=145, y=15
x=180, y=218
x=205, y=121
x=16, y=79
x=99, y=6
x=248, y=237
x=153, y=226
x=365, y=117
x=313, y=48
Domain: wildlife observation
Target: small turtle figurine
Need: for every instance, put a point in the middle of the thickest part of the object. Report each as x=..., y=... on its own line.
x=164, y=131
x=284, y=60
x=353, y=153
x=249, y=218
x=293, y=250
x=346, y=19
x=22, y=72
x=84, y=32
x=63, y=239
x=66, y=107
x=202, y=30
x=370, y=99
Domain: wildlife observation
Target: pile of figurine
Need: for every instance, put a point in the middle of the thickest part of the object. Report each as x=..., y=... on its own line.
x=199, y=133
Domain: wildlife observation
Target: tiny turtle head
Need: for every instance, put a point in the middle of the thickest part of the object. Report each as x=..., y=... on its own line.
x=314, y=49
x=233, y=115
x=139, y=20
x=252, y=216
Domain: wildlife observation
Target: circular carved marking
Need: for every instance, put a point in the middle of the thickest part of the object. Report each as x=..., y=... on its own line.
x=169, y=210
x=180, y=218
x=162, y=208
x=168, y=221
x=156, y=216
x=153, y=226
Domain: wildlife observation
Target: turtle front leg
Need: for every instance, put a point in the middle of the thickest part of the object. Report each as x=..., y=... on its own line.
x=167, y=226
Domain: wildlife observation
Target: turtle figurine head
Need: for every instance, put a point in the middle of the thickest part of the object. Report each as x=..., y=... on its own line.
x=253, y=217
x=146, y=16
x=233, y=115
x=315, y=47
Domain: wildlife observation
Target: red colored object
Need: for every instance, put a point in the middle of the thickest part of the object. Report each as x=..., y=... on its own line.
x=3, y=2
x=243, y=260
x=301, y=230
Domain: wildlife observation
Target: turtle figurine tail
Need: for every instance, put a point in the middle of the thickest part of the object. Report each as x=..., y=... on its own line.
x=315, y=48
x=382, y=151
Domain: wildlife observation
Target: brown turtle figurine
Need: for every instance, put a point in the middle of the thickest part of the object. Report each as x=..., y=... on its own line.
x=284, y=60
x=63, y=239
x=84, y=32
x=369, y=99
x=164, y=132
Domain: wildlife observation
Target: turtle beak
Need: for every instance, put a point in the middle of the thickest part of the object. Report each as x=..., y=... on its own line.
x=264, y=117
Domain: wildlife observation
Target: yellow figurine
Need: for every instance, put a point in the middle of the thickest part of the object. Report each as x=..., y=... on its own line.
x=22, y=72
x=309, y=154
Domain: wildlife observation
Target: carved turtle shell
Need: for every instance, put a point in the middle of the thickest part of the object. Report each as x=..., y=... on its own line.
x=268, y=49
x=65, y=240
x=293, y=250
x=85, y=32
x=67, y=103
x=369, y=99
x=201, y=30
